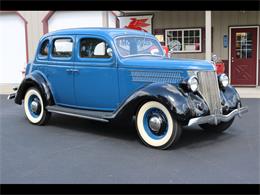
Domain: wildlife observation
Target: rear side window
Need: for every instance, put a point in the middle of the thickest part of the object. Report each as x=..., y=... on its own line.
x=62, y=47
x=44, y=50
x=93, y=48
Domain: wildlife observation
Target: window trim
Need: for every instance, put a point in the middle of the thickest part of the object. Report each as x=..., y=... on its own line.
x=120, y=36
x=91, y=37
x=100, y=62
x=183, y=29
x=39, y=52
x=52, y=45
x=39, y=55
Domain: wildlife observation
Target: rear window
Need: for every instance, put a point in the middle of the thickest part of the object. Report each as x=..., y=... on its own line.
x=62, y=47
x=44, y=50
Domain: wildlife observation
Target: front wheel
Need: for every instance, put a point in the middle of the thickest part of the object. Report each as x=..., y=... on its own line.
x=221, y=127
x=156, y=127
x=34, y=107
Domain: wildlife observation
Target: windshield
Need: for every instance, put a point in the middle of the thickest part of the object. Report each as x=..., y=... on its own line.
x=138, y=46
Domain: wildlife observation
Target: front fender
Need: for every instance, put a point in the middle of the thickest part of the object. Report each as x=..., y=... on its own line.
x=230, y=98
x=169, y=95
x=34, y=79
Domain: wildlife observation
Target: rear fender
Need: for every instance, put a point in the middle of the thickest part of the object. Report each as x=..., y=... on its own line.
x=34, y=79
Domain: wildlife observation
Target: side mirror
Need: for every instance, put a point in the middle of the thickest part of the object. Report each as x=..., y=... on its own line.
x=110, y=52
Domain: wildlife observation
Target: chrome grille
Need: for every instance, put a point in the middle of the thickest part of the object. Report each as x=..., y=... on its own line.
x=209, y=89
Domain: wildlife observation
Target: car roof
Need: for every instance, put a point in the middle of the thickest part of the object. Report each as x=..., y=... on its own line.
x=111, y=32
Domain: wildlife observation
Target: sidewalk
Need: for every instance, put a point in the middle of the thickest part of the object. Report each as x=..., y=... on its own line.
x=244, y=92
x=249, y=92
x=7, y=88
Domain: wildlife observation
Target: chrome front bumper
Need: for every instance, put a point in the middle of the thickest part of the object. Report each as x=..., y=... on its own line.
x=217, y=118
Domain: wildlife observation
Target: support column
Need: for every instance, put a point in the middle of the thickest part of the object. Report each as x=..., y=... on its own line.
x=105, y=18
x=208, y=35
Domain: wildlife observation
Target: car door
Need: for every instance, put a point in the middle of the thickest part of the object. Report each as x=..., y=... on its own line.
x=59, y=71
x=96, y=79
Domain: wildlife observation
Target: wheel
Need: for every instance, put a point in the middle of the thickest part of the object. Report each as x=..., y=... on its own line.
x=156, y=126
x=34, y=107
x=221, y=127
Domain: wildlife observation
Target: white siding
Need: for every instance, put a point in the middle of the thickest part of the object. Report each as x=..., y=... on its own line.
x=34, y=29
x=12, y=48
x=75, y=19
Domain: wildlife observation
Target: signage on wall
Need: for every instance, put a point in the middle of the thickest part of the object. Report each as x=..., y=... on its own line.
x=225, y=41
x=142, y=23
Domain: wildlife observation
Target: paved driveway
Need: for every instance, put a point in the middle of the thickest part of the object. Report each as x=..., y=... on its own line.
x=73, y=150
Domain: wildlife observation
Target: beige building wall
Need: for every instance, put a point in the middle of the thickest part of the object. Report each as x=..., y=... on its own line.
x=221, y=20
x=34, y=29
x=180, y=19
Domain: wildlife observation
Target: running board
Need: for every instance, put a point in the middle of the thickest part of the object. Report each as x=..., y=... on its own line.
x=88, y=114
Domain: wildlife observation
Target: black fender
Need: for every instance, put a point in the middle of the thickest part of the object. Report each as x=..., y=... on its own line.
x=37, y=80
x=169, y=95
x=230, y=99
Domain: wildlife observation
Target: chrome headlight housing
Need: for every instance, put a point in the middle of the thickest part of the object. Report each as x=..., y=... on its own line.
x=193, y=83
x=223, y=80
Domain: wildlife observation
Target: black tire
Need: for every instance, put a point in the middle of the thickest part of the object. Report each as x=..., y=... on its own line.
x=41, y=115
x=221, y=127
x=169, y=131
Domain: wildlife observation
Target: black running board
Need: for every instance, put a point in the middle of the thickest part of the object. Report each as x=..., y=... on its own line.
x=88, y=114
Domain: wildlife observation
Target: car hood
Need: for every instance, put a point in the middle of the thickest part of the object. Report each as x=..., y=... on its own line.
x=166, y=63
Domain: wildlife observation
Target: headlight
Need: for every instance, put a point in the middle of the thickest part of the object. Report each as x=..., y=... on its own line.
x=223, y=80
x=193, y=83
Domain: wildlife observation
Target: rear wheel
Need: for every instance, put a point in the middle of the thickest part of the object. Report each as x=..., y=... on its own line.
x=156, y=126
x=221, y=127
x=34, y=107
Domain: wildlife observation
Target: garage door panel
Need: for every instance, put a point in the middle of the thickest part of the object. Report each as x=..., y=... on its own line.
x=12, y=48
x=75, y=19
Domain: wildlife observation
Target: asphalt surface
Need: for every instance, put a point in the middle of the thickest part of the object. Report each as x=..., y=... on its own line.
x=74, y=150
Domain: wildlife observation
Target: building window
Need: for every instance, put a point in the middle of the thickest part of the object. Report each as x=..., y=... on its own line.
x=62, y=47
x=93, y=48
x=184, y=40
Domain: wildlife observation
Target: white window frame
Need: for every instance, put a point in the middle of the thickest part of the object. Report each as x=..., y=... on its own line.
x=184, y=29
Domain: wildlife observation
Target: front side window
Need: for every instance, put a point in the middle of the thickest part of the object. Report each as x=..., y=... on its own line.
x=62, y=47
x=93, y=48
x=138, y=46
x=184, y=40
x=44, y=50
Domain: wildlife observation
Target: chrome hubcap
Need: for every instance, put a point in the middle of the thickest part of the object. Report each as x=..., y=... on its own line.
x=155, y=123
x=34, y=106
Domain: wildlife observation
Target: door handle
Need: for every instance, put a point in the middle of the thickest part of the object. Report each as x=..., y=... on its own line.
x=72, y=70
x=69, y=70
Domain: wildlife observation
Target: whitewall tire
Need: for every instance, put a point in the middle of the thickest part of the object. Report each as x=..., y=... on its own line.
x=156, y=126
x=34, y=107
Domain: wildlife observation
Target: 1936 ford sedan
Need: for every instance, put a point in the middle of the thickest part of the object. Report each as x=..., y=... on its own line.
x=119, y=74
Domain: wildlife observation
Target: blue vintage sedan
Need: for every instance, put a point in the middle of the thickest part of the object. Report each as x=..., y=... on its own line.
x=118, y=74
